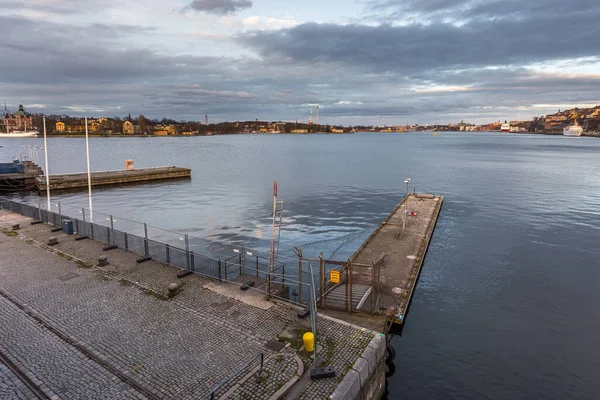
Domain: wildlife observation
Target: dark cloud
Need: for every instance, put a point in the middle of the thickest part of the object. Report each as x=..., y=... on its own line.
x=415, y=47
x=220, y=7
x=474, y=61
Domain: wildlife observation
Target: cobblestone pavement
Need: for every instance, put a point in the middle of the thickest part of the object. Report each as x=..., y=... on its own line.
x=179, y=348
x=65, y=371
x=11, y=388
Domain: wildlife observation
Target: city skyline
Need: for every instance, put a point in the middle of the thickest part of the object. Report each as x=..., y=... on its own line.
x=363, y=62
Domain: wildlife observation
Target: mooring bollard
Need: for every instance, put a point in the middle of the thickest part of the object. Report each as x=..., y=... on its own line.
x=16, y=227
x=52, y=241
x=102, y=261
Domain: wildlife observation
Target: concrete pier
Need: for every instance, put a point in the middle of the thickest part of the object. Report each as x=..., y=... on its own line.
x=380, y=277
x=104, y=178
x=74, y=328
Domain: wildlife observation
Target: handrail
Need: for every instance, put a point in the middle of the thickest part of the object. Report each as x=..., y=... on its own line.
x=211, y=394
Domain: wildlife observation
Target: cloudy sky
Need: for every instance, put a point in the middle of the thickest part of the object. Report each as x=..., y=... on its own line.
x=362, y=61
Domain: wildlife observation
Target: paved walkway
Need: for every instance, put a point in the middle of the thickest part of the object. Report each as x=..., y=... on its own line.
x=111, y=332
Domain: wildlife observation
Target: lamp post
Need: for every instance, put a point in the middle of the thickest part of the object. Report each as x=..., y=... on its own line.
x=407, y=180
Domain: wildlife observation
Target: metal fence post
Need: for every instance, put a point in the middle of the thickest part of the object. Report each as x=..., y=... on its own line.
x=39, y=208
x=348, y=299
x=59, y=216
x=112, y=231
x=146, y=250
x=373, y=287
x=168, y=253
x=300, y=275
x=350, y=283
x=187, y=252
x=126, y=241
x=192, y=261
x=219, y=266
x=257, y=266
x=322, y=280
x=313, y=310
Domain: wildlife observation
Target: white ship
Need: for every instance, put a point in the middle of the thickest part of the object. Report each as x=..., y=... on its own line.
x=19, y=134
x=16, y=124
x=573, y=130
x=505, y=127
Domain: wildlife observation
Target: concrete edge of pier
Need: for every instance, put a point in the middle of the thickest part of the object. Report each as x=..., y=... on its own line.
x=416, y=273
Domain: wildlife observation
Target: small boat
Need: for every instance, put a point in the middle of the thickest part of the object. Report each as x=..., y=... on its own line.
x=19, y=134
x=573, y=130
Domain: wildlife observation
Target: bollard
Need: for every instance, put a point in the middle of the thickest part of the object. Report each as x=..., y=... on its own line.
x=102, y=261
x=52, y=241
x=16, y=227
x=309, y=341
x=173, y=288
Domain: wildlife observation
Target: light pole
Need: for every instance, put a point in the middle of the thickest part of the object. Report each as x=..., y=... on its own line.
x=407, y=181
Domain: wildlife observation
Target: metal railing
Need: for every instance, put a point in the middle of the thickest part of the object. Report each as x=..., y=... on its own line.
x=178, y=249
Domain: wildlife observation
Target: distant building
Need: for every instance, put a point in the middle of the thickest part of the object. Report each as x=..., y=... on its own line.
x=20, y=120
x=165, y=130
x=93, y=126
x=60, y=126
x=299, y=130
x=128, y=128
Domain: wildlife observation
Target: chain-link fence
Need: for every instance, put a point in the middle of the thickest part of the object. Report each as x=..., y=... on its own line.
x=288, y=280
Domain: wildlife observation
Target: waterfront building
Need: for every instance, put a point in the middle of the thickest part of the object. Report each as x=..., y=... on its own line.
x=128, y=128
x=20, y=120
x=165, y=130
x=93, y=126
x=60, y=126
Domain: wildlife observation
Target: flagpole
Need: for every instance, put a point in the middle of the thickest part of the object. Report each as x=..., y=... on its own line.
x=47, y=169
x=87, y=151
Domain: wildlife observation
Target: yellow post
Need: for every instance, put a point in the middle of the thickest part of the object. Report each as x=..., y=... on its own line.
x=309, y=341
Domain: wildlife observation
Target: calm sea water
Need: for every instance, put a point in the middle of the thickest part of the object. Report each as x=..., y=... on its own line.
x=508, y=303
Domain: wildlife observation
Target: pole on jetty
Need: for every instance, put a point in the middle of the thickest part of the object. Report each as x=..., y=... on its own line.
x=47, y=169
x=89, y=174
x=272, y=249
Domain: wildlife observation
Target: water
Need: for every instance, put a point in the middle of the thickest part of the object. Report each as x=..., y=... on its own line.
x=507, y=306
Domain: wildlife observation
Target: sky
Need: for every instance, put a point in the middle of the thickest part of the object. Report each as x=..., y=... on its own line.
x=372, y=62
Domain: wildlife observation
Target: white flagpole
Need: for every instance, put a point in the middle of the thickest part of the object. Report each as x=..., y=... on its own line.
x=47, y=169
x=87, y=150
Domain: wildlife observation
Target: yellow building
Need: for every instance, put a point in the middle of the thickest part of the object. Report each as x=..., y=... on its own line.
x=94, y=126
x=60, y=126
x=75, y=128
x=128, y=128
x=299, y=130
x=336, y=130
x=164, y=130
x=189, y=133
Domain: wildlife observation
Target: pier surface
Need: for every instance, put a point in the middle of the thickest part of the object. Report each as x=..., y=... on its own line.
x=386, y=267
x=72, y=329
x=80, y=180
